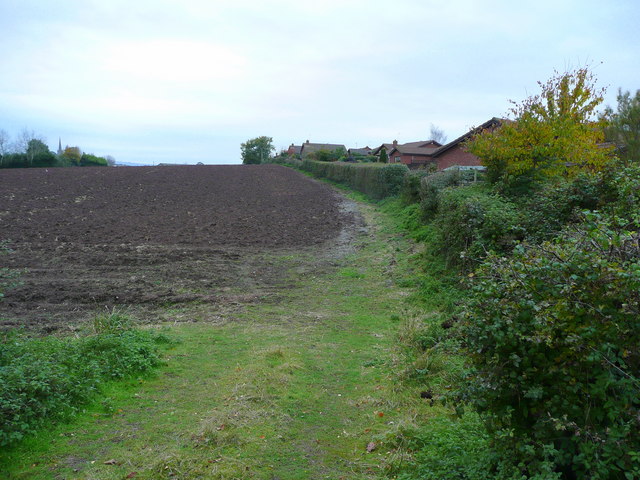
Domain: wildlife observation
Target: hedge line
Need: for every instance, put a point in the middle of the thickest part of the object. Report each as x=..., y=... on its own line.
x=375, y=180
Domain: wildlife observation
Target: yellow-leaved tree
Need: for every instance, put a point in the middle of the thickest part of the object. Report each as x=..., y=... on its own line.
x=556, y=132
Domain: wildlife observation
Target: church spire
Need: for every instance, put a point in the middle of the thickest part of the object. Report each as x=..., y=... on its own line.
x=59, y=146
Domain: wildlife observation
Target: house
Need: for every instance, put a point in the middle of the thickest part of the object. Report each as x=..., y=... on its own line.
x=453, y=154
x=294, y=150
x=432, y=154
x=307, y=148
x=413, y=154
x=360, y=152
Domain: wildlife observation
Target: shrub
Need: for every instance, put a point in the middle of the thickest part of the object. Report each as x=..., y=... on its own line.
x=49, y=378
x=560, y=202
x=375, y=180
x=432, y=185
x=472, y=223
x=553, y=336
x=410, y=189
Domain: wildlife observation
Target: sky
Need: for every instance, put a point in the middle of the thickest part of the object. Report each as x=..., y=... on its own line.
x=187, y=81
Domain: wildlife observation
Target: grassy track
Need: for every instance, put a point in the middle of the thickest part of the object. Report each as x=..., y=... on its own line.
x=295, y=390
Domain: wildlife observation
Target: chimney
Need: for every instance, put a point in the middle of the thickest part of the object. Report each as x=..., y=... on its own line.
x=395, y=143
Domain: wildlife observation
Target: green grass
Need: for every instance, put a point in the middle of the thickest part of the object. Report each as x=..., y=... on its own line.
x=295, y=389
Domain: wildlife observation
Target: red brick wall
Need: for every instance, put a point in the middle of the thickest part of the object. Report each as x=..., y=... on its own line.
x=457, y=156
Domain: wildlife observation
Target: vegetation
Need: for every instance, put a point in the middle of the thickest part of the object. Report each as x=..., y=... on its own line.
x=324, y=155
x=623, y=127
x=256, y=150
x=30, y=150
x=553, y=133
x=373, y=179
x=48, y=379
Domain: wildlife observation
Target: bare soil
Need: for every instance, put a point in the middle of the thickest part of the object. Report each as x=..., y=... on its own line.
x=193, y=242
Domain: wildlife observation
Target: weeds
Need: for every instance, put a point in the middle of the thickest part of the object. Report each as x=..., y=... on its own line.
x=45, y=379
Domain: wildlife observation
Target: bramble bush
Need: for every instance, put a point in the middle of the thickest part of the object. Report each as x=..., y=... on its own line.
x=472, y=222
x=553, y=337
x=45, y=379
x=432, y=185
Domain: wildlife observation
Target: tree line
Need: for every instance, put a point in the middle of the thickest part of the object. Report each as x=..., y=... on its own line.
x=29, y=150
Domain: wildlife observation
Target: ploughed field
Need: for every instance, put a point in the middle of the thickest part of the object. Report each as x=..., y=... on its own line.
x=196, y=241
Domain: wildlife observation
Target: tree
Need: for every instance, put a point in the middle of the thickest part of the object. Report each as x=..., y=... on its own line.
x=384, y=158
x=552, y=133
x=4, y=142
x=257, y=150
x=624, y=125
x=72, y=155
x=438, y=135
x=38, y=152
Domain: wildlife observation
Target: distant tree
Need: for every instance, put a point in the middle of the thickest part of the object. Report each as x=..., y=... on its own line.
x=256, y=150
x=438, y=135
x=37, y=149
x=110, y=160
x=71, y=156
x=90, y=160
x=384, y=157
x=624, y=126
x=4, y=142
x=552, y=133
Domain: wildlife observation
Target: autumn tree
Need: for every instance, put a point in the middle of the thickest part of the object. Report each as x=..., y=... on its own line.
x=256, y=150
x=72, y=155
x=624, y=126
x=555, y=132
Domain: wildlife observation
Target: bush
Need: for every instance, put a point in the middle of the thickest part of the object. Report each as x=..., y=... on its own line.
x=432, y=185
x=375, y=180
x=410, y=189
x=49, y=378
x=553, y=335
x=472, y=223
x=559, y=203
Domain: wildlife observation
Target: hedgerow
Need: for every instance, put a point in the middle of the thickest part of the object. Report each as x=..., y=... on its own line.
x=376, y=180
x=48, y=379
x=553, y=336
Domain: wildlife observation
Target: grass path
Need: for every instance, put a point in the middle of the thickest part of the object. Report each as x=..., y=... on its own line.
x=295, y=390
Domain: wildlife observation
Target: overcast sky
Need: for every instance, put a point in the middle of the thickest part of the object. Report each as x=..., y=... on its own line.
x=186, y=81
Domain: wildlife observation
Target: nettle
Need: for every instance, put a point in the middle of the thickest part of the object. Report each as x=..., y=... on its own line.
x=553, y=334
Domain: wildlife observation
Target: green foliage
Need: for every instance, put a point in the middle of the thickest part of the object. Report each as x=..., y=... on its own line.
x=552, y=133
x=473, y=223
x=375, y=180
x=450, y=449
x=410, y=190
x=624, y=126
x=384, y=157
x=90, y=160
x=256, y=150
x=48, y=379
x=553, y=337
x=324, y=155
x=432, y=185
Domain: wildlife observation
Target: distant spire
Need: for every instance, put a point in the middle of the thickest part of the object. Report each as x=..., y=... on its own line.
x=59, y=146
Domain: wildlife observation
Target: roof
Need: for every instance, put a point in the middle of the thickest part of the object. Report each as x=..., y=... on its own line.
x=491, y=123
x=360, y=151
x=403, y=147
